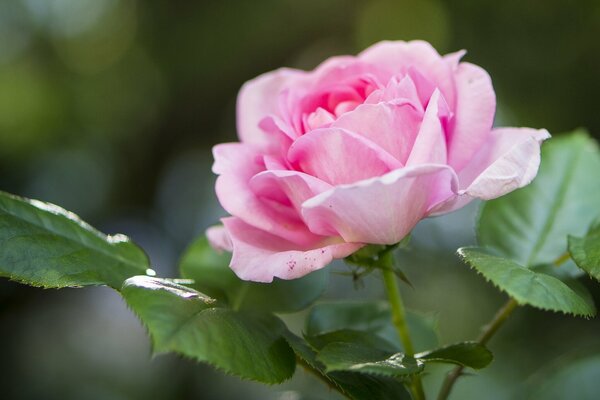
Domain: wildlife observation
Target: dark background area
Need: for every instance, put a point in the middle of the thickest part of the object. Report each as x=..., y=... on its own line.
x=109, y=108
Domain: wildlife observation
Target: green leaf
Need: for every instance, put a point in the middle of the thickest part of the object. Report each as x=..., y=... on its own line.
x=212, y=275
x=44, y=245
x=182, y=320
x=527, y=286
x=585, y=251
x=372, y=317
x=368, y=387
x=354, y=385
x=355, y=357
x=352, y=336
x=573, y=380
x=530, y=225
x=468, y=354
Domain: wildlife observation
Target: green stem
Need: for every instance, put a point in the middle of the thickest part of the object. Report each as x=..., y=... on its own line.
x=488, y=331
x=399, y=318
x=240, y=296
x=562, y=259
x=398, y=313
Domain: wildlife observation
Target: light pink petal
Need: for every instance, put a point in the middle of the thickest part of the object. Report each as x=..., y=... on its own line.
x=237, y=163
x=474, y=114
x=339, y=156
x=425, y=87
x=451, y=204
x=296, y=186
x=260, y=256
x=275, y=130
x=219, y=238
x=453, y=59
x=392, y=127
x=273, y=162
x=430, y=144
x=509, y=161
x=258, y=99
x=394, y=57
x=380, y=210
x=336, y=70
x=397, y=92
x=319, y=118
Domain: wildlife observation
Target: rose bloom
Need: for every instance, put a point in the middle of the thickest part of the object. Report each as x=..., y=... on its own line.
x=357, y=152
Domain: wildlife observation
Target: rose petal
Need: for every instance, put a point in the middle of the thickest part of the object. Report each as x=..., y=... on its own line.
x=430, y=143
x=296, y=186
x=453, y=59
x=381, y=210
x=260, y=256
x=397, y=92
x=336, y=70
x=338, y=156
x=474, y=114
x=258, y=99
x=509, y=161
x=237, y=163
x=394, y=57
x=219, y=239
x=392, y=127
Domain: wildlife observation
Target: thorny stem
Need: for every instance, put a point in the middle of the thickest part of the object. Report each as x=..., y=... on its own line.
x=488, y=332
x=399, y=317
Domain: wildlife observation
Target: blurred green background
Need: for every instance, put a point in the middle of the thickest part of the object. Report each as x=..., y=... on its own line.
x=110, y=107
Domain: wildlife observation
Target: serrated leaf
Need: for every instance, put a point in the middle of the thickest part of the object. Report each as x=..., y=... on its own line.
x=212, y=275
x=468, y=354
x=585, y=251
x=530, y=225
x=354, y=385
x=355, y=357
x=373, y=317
x=527, y=286
x=179, y=319
x=44, y=245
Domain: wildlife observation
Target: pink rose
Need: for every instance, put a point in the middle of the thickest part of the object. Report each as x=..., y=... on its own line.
x=359, y=151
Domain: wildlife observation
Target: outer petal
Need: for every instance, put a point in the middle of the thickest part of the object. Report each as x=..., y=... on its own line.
x=453, y=59
x=392, y=127
x=511, y=162
x=338, y=156
x=508, y=161
x=474, y=114
x=237, y=163
x=397, y=57
x=338, y=69
x=219, y=238
x=380, y=210
x=258, y=99
x=296, y=187
x=259, y=256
